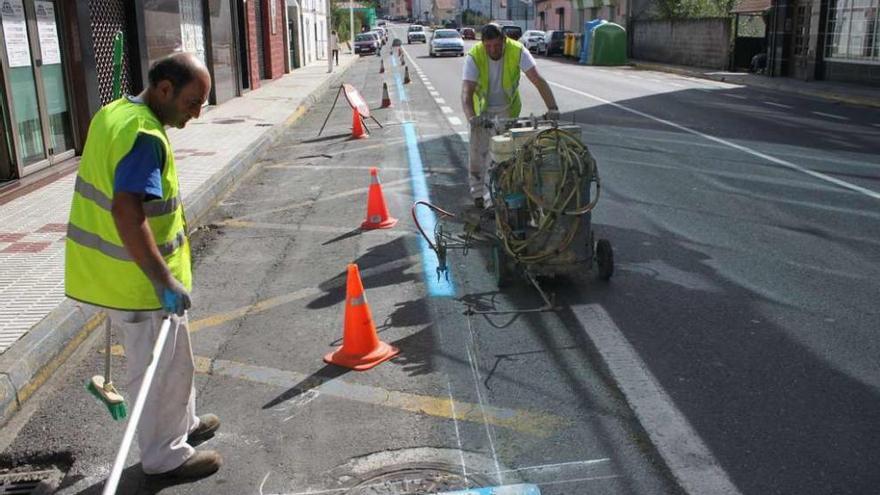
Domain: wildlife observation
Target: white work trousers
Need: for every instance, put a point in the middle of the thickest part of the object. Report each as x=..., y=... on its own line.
x=169, y=412
x=478, y=155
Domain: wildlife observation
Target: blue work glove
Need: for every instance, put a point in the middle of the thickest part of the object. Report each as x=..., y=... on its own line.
x=174, y=297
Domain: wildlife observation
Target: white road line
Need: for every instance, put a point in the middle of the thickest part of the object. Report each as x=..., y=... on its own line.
x=457, y=431
x=440, y=101
x=778, y=105
x=475, y=372
x=687, y=457
x=771, y=159
x=446, y=109
x=830, y=115
x=739, y=97
x=435, y=94
x=454, y=120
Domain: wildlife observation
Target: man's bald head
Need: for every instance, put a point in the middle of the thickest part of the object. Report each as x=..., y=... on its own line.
x=179, y=86
x=179, y=69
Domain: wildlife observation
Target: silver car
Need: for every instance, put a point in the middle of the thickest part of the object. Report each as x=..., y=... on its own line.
x=446, y=42
x=532, y=40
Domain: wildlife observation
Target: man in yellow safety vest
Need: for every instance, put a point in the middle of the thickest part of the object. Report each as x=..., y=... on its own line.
x=490, y=89
x=127, y=251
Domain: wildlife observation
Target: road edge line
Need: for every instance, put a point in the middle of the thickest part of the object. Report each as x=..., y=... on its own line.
x=691, y=463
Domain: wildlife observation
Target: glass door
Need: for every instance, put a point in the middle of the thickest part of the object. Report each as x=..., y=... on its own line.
x=38, y=105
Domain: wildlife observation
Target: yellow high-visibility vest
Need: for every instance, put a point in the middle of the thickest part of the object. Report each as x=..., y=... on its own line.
x=509, y=78
x=98, y=270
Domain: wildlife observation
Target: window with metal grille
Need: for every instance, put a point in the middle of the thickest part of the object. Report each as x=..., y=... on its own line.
x=107, y=17
x=853, y=31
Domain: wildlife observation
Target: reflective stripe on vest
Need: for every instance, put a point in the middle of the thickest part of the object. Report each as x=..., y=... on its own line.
x=95, y=241
x=155, y=208
x=510, y=75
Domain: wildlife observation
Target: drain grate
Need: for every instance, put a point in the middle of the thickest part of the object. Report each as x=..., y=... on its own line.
x=41, y=482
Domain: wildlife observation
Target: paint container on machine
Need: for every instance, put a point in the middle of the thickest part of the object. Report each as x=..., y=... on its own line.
x=517, y=214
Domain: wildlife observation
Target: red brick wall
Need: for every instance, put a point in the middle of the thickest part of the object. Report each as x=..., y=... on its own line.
x=251, y=14
x=273, y=44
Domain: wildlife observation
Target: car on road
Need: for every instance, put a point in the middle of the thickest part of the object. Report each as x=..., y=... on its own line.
x=554, y=42
x=512, y=32
x=446, y=42
x=416, y=33
x=367, y=43
x=383, y=34
x=468, y=33
x=532, y=40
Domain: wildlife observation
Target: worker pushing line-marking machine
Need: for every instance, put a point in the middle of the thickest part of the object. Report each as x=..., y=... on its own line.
x=541, y=181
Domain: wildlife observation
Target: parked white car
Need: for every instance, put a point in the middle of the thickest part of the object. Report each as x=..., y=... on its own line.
x=446, y=41
x=532, y=40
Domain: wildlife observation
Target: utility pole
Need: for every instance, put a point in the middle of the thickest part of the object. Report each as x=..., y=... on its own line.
x=351, y=24
x=328, y=21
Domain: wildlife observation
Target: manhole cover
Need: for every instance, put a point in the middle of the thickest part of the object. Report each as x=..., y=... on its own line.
x=416, y=480
x=415, y=472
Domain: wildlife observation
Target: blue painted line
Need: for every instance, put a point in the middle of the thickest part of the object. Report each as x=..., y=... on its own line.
x=427, y=219
x=528, y=489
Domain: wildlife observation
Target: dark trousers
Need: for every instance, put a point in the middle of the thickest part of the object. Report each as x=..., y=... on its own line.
x=336, y=56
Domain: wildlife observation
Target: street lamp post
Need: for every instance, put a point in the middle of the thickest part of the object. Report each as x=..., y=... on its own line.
x=351, y=24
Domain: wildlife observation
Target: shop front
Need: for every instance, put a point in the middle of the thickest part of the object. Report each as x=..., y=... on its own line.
x=37, y=131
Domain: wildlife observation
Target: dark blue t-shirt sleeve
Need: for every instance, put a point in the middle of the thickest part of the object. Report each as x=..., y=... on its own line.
x=140, y=171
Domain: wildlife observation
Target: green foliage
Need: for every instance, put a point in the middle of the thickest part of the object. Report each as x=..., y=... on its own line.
x=473, y=18
x=341, y=20
x=692, y=9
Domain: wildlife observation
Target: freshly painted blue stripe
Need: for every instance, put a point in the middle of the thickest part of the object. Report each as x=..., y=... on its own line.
x=427, y=218
x=499, y=490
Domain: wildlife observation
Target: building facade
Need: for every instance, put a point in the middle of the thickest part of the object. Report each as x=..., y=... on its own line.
x=56, y=62
x=834, y=40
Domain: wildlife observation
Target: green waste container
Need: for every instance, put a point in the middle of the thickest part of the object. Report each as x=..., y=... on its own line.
x=608, y=46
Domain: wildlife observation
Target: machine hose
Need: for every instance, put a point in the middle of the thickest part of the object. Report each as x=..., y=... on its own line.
x=522, y=174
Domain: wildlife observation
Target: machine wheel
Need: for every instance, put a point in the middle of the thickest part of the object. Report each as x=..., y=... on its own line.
x=605, y=259
x=500, y=266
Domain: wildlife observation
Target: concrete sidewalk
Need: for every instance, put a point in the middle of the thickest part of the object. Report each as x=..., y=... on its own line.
x=852, y=94
x=39, y=327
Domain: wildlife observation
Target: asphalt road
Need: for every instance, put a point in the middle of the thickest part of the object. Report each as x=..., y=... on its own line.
x=746, y=227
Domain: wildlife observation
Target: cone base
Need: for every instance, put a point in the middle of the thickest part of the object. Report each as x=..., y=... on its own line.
x=362, y=136
x=386, y=224
x=380, y=354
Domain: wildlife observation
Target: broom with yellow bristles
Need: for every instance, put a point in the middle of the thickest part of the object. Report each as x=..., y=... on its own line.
x=102, y=386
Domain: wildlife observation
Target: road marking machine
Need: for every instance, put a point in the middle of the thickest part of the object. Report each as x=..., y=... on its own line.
x=544, y=185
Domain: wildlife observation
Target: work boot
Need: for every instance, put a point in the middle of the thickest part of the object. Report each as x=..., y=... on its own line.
x=202, y=464
x=208, y=424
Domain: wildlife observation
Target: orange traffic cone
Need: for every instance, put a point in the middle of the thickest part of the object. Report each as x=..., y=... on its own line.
x=386, y=100
x=357, y=127
x=377, y=210
x=361, y=348
x=406, y=75
x=381, y=66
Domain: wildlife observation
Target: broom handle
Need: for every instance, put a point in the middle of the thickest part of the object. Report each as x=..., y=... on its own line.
x=107, y=381
x=134, y=419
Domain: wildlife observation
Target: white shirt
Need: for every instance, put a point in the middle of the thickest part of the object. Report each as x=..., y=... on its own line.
x=334, y=42
x=497, y=98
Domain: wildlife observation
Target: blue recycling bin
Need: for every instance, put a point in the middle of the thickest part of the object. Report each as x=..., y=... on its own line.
x=588, y=36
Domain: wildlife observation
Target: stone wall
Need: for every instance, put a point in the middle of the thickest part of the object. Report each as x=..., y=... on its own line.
x=693, y=42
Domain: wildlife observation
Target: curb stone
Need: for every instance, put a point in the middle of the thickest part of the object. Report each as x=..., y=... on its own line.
x=26, y=365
